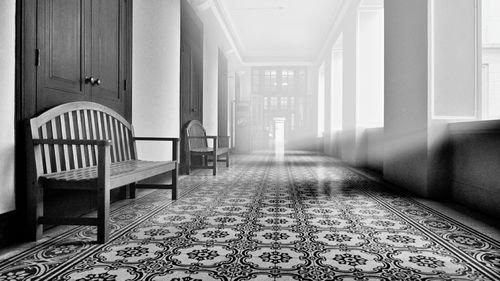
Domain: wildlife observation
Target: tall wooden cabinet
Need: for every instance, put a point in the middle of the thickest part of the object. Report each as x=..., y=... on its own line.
x=82, y=53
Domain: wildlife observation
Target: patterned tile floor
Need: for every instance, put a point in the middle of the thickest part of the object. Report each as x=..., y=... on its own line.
x=301, y=217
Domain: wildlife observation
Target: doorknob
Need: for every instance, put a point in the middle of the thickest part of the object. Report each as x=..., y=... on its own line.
x=93, y=81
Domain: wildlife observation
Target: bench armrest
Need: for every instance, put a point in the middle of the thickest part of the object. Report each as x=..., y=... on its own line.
x=202, y=137
x=156, y=139
x=175, y=143
x=72, y=142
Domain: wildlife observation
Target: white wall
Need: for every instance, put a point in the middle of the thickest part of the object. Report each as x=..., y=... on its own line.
x=210, y=83
x=453, y=58
x=349, y=137
x=406, y=93
x=7, y=92
x=156, y=75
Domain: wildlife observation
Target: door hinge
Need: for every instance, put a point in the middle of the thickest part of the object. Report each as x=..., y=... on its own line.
x=124, y=85
x=37, y=57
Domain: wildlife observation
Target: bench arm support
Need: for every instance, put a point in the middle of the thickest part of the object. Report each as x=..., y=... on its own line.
x=175, y=143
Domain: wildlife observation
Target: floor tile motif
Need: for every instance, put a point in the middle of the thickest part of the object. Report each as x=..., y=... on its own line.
x=304, y=218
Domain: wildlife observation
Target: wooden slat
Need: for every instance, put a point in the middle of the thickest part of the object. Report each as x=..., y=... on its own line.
x=72, y=136
x=126, y=140
x=100, y=126
x=66, y=148
x=56, y=152
x=109, y=123
x=117, y=140
x=79, y=135
x=45, y=151
x=124, y=143
x=88, y=148
x=94, y=134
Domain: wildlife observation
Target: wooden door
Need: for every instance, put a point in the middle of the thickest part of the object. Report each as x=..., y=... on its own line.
x=107, y=53
x=61, y=58
x=191, y=73
x=79, y=39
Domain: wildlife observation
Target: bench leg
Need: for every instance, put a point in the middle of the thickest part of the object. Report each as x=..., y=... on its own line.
x=34, y=230
x=214, y=163
x=227, y=160
x=175, y=175
x=102, y=215
x=188, y=163
x=131, y=190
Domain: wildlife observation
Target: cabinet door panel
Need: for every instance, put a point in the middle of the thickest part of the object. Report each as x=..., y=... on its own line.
x=62, y=61
x=107, y=52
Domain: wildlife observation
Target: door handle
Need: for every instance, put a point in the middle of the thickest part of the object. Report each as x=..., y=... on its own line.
x=93, y=81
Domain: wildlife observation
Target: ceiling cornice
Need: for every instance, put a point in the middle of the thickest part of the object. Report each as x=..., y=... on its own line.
x=226, y=24
x=335, y=28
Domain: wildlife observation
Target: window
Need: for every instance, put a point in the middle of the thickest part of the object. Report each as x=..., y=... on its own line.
x=287, y=79
x=283, y=80
x=370, y=66
x=270, y=80
x=284, y=103
x=321, y=100
x=274, y=103
x=337, y=82
x=490, y=80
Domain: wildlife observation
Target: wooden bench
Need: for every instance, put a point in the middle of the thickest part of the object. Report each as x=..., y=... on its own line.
x=197, y=145
x=86, y=146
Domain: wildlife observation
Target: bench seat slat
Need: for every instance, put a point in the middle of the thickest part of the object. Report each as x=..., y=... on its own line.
x=121, y=173
x=205, y=150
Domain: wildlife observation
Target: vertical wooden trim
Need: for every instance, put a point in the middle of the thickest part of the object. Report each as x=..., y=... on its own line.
x=133, y=145
x=128, y=75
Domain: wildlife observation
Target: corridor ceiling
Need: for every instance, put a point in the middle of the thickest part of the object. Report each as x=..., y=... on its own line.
x=280, y=30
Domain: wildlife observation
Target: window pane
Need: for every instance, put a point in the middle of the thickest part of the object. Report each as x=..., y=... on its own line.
x=490, y=59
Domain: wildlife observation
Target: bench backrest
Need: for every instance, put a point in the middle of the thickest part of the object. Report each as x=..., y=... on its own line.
x=79, y=121
x=195, y=128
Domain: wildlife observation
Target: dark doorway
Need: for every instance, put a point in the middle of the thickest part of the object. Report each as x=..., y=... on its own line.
x=191, y=73
x=222, y=103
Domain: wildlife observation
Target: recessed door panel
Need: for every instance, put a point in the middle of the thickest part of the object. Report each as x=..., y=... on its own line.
x=106, y=53
x=61, y=61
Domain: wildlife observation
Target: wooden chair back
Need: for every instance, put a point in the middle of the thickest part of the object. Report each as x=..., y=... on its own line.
x=79, y=120
x=195, y=128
